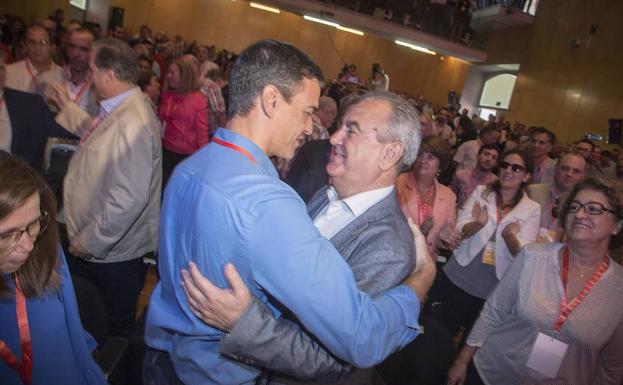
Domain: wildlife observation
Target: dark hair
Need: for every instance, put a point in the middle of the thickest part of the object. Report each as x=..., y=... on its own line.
x=116, y=55
x=144, y=79
x=268, y=62
x=144, y=58
x=611, y=188
x=18, y=182
x=543, y=130
x=495, y=186
x=490, y=146
x=487, y=129
x=584, y=140
x=437, y=147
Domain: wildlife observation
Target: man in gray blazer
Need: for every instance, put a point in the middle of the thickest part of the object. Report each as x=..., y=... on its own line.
x=360, y=215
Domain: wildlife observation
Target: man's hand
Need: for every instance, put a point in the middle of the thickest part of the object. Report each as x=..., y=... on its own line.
x=77, y=250
x=423, y=275
x=58, y=94
x=220, y=308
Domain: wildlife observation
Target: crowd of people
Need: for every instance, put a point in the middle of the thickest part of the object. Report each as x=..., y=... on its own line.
x=395, y=213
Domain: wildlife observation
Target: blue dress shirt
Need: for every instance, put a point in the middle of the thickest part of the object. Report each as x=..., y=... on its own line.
x=221, y=207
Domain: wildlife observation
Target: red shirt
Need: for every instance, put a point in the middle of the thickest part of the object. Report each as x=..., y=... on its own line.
x=185, y=121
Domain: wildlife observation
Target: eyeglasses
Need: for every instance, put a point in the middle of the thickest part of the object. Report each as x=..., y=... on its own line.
x=40, y=43
x=591, y=208
x=514, y=166
x=34, y=228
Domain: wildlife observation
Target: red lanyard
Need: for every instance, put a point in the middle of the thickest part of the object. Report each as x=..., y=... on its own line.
x=25, y=368
x=424, y=209
x=502, y=211
x=236, y=148
x=34, y=78
x=566, y=308
x=94, y=123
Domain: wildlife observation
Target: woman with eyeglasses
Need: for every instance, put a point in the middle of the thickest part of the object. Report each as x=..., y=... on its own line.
x=494, y=223
x=557, y=315
x=41, y=337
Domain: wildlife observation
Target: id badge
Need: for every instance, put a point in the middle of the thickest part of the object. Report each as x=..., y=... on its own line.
x=488, y=254
x=547, y=355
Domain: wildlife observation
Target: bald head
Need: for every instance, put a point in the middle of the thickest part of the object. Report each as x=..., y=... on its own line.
x=327, y=111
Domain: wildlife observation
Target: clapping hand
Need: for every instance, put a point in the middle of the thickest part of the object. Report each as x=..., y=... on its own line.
x=480, y=214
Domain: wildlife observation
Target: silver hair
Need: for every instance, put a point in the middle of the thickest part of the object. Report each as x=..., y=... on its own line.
x=403, y=125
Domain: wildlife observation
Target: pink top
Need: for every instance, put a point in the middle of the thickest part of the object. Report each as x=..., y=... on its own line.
x=185, y=121
x=444, y=207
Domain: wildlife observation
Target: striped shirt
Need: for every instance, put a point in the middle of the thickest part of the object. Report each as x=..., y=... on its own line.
x=526, y=302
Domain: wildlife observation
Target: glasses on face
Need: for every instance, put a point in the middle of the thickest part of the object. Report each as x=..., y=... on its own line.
x=514, y=166
x=34, y=228
x=591, y=208
x=40, y=43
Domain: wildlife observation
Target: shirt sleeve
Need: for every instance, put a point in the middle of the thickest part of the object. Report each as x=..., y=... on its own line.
x=530, y=228
x=303, y=271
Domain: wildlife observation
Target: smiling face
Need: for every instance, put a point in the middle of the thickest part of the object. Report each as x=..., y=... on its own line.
x=356, y=159
x=174, y=76
x=569, y=171
x=294, y=119
x=510, y=179
x=487, y=159
x=11, y=260
x=581, y=227
x=541, y=145
x=426, y=165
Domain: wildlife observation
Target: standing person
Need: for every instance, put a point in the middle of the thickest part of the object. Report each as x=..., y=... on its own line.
x=467, y=153
x=378, y=80
x=465, y=181
x=226, y=205
x=40, y=328
x=431, y=204
x=570, y=170
x=494, y=223
x=557, y=315
x=184, y=113
x=22, y=75
x=112, y=187
x=542, y=141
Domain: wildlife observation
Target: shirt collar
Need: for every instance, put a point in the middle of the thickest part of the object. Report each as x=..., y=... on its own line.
x=359, y=203
x=110, y=104
x=262, y=160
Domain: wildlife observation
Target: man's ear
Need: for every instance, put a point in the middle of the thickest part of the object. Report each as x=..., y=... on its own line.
x=393, y=154
x=269, y=100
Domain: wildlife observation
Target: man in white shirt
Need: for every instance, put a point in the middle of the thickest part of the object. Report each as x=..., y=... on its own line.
x=22, y=75
x=75, y=76
x=467, y=153
x=542, y=141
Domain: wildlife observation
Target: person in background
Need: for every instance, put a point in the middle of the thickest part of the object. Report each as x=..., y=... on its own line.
x=557, y=315
x=467, y=153
x=41, y=335
x=494, y=223
x=570, y=170
x=378, y=80
x=148, y=82
x=22, y=75
x=217, y=110
x=465, y=181
x=541, y=142
x=430, y=204
x=585, y=147
x=184, y=112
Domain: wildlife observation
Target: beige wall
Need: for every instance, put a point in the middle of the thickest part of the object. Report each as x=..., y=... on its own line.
x=234, y=25
x=569, y=90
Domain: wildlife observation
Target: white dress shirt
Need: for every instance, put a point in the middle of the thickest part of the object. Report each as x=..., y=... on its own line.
x=22, y=76
x=339, y=213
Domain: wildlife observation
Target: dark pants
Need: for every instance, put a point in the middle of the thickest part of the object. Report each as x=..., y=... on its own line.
x=459, y=309
x=472, y=377
x=158, y=369
x=120, y=284
x=170, y=159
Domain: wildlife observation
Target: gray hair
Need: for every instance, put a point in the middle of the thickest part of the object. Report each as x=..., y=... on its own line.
x=116, y=55
x=403, y=125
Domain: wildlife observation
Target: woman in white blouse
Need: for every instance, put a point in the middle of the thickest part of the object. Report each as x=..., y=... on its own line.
x=494, y=223
x=557, y=315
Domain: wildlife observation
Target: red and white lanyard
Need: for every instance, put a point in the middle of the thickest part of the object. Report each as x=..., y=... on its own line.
x=424, y=209
x=566, y=308
x=236, y=148
x=501, y=211
x=25, y=368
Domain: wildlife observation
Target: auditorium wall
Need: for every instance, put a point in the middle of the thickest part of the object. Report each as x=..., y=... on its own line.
x=234, y=25
x=569, y=89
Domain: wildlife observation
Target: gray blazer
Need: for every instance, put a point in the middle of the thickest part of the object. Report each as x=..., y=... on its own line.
x=377, y=245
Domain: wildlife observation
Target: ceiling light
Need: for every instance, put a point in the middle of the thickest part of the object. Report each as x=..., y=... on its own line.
x=314, y=19
x=264, y=7
x=356, y=32
x=416, y=47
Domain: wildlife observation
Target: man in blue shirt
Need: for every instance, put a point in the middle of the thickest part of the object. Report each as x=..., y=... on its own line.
x=225, y=204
